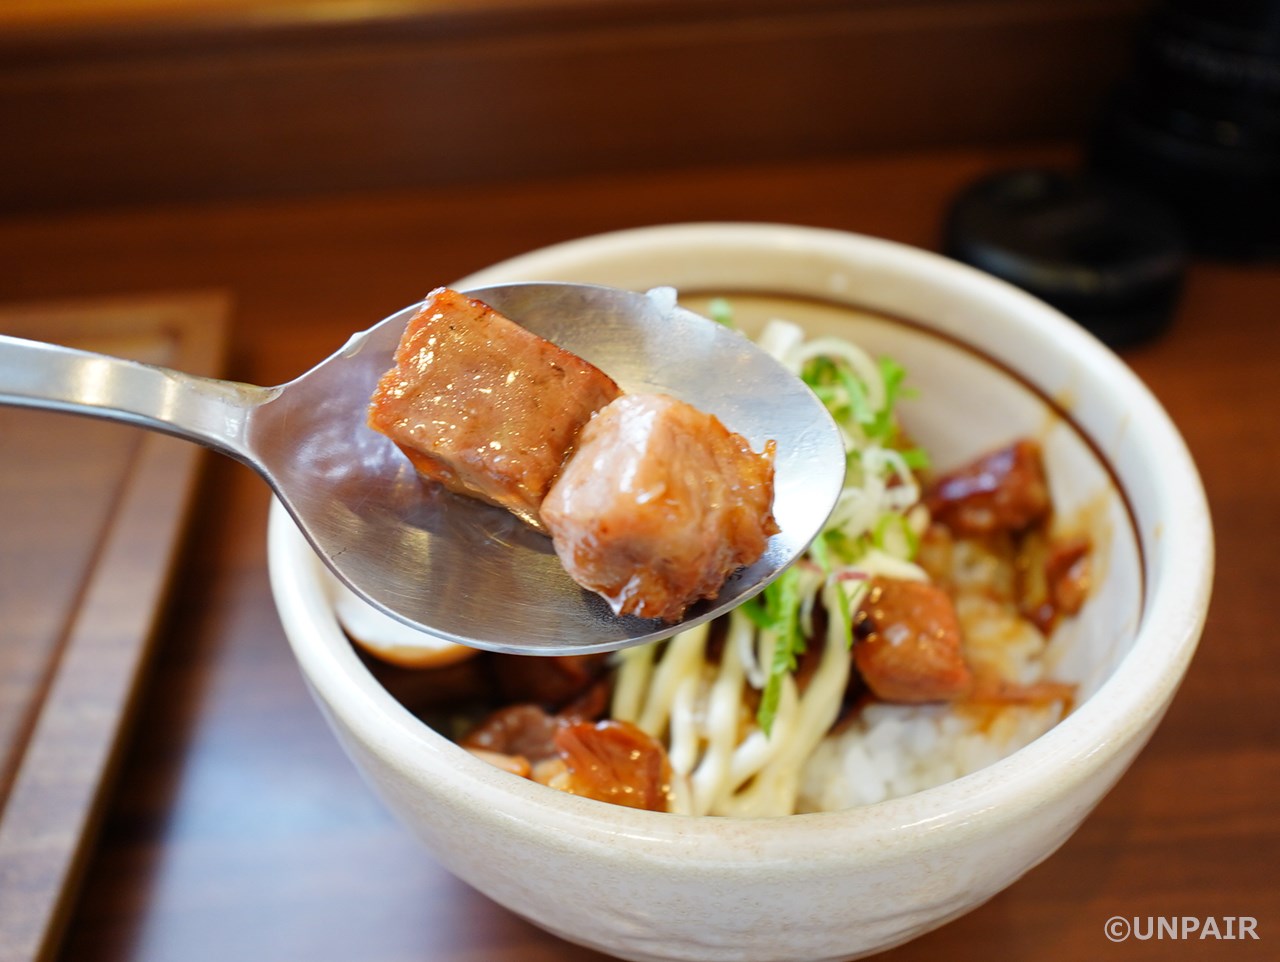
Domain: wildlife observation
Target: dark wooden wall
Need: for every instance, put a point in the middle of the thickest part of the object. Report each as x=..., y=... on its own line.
x=178, y=106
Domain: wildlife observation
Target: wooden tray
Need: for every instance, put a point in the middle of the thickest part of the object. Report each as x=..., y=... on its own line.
x=91, y=515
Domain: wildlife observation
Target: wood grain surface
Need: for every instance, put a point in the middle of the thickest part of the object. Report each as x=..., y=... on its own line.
x=238, y=829
x=92, y=515
x=105, y=102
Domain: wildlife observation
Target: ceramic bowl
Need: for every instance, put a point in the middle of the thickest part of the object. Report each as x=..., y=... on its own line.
x=990, y=364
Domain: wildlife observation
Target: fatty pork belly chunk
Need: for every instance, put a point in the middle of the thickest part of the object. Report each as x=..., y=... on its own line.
x=1004, y=490
x=907, y=643
x=483, y=406
x=658, y=505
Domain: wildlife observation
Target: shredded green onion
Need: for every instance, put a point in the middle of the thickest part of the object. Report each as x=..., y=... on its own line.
x=776, y=610
x=721, y=311
x=894, y=535
x=876, y=460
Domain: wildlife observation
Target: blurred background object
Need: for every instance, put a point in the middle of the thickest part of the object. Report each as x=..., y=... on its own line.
x=1184, y=157
x=1197, y=122
x=126, y=102
x=1105, y=255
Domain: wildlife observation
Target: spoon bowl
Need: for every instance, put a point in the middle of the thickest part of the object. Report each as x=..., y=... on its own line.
x=451, y=566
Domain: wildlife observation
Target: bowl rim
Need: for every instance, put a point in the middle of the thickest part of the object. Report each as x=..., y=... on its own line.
x=1121, y=712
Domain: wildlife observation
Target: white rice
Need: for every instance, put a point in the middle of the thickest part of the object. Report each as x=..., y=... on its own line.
x=894, y=750
x=890, y=750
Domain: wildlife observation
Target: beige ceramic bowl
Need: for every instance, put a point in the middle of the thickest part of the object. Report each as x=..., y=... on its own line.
x=991, y=364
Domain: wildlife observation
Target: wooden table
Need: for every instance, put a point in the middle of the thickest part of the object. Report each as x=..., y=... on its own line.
x=237, y=830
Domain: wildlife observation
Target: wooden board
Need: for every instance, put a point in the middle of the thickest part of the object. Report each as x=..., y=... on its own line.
x=91, y=515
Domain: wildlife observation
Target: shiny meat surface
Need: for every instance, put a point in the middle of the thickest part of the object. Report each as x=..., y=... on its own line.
x=517, y=730
x=483, y=406
x=908, y=646
x=612, y=761
x=1054, y=577
x=659, y=505
x=1001, y=491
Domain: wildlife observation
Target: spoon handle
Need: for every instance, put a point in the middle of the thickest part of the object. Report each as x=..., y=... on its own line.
x=205, y=410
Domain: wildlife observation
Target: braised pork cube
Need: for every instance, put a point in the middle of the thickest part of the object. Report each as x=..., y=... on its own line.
x=1004, y=490
x=658, y=505
x=610, y=761
x=907, y=643
x=483, y=406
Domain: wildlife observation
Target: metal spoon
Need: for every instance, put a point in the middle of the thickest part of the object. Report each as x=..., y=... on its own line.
x=448, y=565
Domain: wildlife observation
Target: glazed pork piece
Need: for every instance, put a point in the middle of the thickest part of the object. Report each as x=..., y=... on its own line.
x=1000, y=505
x=1004, y=490
x=908, y=645
x=607, y=760
x=483, y=406
x=649, y=501
x=658, y=505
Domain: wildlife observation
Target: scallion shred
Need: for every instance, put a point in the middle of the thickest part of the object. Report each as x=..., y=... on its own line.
x=870, y=521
